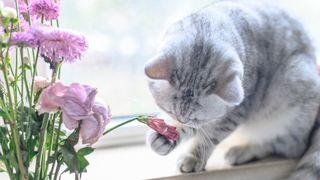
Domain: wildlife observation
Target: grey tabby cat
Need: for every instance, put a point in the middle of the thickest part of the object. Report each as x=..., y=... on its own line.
x=243, y=75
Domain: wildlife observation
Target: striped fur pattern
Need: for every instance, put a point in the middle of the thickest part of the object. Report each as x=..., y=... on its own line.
x=242, y=75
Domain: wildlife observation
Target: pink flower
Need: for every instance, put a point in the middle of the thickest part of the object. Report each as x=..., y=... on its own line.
x=162, y=128
x=92, y=128
x=52, y=97
x=22, y=5
x=77, y=104
x=24, y=39
x=48, y=9
x=40, y=83
x=57, y=45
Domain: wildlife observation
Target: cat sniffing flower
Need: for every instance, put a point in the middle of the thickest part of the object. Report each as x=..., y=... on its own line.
x=240, y=75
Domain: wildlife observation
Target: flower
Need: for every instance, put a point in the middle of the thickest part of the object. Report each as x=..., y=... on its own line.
x=52, y=98
x=24, y=39
x=48, y=9
x=162, y=128
x=92, y=128
x=57, y=44
x=22, y=5
x=77, y=104
x=40, y=83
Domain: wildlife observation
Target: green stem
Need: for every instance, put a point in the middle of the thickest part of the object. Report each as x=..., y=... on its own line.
x=22, y=89
x=57, y=170
x=23, y=173
x=56, y=148
x=51, y=141
x=43, y=136
x=55, y=73
x=119, y=125
x=15, y=133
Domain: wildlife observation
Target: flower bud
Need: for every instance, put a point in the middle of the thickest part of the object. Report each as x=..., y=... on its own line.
x=10, y=78
x=40, y=83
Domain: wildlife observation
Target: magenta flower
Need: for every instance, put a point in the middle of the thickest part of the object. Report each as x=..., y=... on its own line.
x=22, y=5
x=57, y=44
x=48, y=9
x=77, y=104
x=162, y=128
x=24, y=39
x=52, y=98
x=92, y=128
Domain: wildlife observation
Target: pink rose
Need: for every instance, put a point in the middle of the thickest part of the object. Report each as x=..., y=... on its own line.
x=77, y=104
x=162, y=128
x=51, y=98
x=40, y=83
x=92, y=127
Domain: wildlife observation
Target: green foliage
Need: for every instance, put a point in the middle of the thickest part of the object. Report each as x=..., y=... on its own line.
x=76, y=161
x=2, y=166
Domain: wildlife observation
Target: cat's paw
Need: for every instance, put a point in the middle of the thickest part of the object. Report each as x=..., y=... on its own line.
x=189, y=163
x=238, y=155
x=159, y=143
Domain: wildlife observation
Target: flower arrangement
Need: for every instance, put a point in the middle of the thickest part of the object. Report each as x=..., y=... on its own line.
x=43, y=119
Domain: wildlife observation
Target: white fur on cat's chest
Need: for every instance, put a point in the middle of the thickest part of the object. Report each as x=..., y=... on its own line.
x=255, y=131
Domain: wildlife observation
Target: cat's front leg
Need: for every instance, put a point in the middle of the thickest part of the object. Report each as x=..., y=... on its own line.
x=196, y=159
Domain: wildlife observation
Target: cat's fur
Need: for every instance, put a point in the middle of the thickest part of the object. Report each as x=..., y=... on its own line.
x=242, y=75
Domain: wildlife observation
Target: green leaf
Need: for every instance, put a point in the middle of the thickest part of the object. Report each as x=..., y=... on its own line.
x=70, y=157
x=73, y=138
x=85, y=151
x=83, y=163
x=3, y=114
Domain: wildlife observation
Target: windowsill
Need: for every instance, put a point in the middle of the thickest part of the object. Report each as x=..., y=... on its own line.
x=139, y=162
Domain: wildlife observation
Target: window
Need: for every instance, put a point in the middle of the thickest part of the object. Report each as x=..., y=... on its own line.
x=122, y=35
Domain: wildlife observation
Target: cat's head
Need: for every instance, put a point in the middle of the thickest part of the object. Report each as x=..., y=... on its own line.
x=196, y=81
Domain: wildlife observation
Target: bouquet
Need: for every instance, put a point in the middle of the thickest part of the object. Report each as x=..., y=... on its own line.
x=42, y=119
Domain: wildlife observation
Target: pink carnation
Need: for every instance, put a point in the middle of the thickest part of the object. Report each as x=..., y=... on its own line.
x=49, y=9
x=57, y=44
x=162, y=128
x=23, y=8
x=24, y=39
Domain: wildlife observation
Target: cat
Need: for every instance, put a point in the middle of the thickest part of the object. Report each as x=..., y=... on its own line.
x=241, y=74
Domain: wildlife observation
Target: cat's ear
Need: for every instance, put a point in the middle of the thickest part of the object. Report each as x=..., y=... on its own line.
x=232, y=91
x=159, y=67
